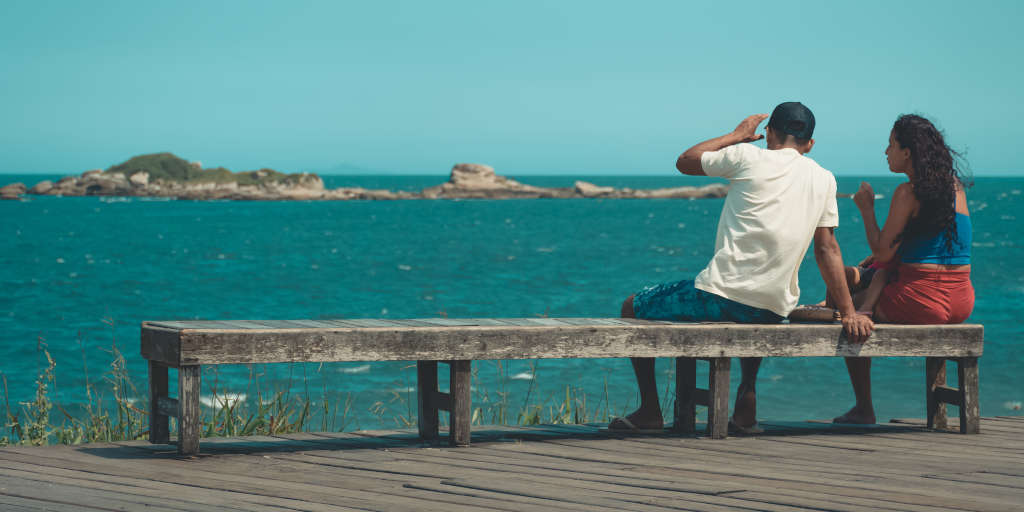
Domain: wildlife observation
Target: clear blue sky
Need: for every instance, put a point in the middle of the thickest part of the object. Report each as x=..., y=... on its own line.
x=530, y=88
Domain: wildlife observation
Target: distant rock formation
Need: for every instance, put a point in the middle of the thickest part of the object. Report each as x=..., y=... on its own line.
x=478, y=181
x=166, y=175
x=12, y=192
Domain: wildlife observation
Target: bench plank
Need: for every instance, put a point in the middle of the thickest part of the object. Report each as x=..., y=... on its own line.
x=381, y=340
x=187, y=345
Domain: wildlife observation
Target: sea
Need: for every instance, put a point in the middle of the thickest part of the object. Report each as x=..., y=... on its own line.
x=79, y=275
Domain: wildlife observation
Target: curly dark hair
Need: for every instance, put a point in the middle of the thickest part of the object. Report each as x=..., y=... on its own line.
x=938, y=170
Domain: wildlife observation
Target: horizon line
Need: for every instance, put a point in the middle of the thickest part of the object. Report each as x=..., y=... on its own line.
x=1009, y=174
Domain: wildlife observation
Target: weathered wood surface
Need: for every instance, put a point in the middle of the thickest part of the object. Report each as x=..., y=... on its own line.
x=159, y=429
x=718, y=397
x=226, y=342
x=794, y=466
x=189, y=387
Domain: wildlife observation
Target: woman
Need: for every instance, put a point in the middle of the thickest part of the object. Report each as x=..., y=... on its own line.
x=923, y=252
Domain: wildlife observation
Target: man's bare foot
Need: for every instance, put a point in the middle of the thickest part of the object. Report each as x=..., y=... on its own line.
x=856, y=416
x=637, y=420
x=745, y=410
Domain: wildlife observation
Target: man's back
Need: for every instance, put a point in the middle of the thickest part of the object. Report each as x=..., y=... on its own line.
x=776, y=200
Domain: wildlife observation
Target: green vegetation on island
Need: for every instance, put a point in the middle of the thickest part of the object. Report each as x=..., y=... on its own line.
x=170, y=168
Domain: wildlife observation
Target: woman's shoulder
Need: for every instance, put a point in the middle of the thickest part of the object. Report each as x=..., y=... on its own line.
x=905, y=191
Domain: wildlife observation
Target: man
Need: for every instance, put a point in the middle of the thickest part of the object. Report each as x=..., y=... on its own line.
x=778, y=201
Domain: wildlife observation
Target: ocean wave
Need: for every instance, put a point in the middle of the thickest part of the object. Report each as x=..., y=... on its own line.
x=227, y=399
x=356, y=369
x=522, y=376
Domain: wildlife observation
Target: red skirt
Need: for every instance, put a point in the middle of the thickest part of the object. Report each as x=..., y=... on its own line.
x=927, y=296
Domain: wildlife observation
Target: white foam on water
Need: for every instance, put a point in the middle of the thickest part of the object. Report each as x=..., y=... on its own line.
x=356, y=369
x=522, y=376
x=545, y=249
x=1014, y=406
x=227, y=399
x=404, y=267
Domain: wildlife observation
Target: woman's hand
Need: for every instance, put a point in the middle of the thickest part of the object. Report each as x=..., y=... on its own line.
x=865, y=197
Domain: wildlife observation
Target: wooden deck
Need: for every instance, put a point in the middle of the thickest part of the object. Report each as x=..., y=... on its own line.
x=794, y=466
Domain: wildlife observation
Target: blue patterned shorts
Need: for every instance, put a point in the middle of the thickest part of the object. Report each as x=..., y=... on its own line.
x=683, y=302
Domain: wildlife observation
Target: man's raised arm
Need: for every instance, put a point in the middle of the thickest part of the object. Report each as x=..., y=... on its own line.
x=830, y=263
x=689, y=162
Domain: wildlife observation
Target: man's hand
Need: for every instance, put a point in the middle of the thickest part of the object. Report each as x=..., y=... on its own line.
x=747, y=130
x=865, y=197
x=857, y=327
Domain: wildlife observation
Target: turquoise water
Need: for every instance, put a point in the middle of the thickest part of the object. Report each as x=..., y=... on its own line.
x=80, y=274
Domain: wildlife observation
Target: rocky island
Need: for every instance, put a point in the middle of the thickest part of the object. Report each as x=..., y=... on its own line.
x=166, y=175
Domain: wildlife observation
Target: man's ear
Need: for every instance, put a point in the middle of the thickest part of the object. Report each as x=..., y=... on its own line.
x=807, y=147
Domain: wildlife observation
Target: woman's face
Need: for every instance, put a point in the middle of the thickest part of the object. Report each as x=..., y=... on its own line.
x=897, y=156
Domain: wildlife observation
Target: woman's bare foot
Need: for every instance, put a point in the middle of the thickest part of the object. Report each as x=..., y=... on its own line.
x=856, y=416
x=638, y=420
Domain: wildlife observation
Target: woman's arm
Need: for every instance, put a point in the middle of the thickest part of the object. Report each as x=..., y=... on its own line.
x=902, y=207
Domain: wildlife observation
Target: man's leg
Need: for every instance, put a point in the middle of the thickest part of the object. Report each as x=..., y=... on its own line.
x=863, y=412
x=745, y=411
x=648, y=416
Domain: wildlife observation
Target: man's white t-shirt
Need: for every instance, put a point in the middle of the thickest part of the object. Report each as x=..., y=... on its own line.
x=776, y=200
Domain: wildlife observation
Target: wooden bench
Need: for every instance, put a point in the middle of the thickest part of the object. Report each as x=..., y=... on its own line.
x=188, y=345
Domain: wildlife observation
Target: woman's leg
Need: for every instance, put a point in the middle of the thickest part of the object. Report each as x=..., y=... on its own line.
x=863, y=411
x=852, y=281
x=867, y=300
x=859, y=368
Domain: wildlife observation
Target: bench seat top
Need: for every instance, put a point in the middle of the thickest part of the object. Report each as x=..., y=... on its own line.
x=199, y=342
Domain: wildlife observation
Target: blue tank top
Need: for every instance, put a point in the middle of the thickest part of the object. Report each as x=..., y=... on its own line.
x=933, y=250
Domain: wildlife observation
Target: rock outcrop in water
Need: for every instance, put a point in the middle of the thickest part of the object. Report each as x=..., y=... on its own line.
x=166, y=175
x=12, y=191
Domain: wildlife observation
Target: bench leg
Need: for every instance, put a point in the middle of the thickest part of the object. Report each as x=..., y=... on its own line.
x=159, y=429
x=460, y=414
x=718, y=398
x=935, y=377
x=685, y=421
x=967, y=372
x=189, y=380
x=426, y=378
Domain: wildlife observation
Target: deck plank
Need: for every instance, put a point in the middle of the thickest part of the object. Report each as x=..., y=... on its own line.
x=552, y=467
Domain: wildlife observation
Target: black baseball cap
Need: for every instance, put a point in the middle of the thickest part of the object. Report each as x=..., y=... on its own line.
x=793, y=118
